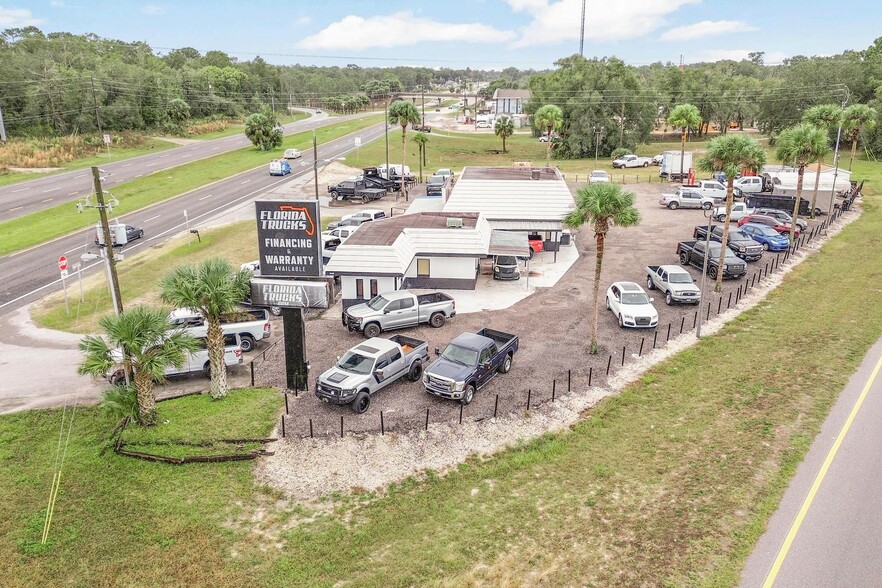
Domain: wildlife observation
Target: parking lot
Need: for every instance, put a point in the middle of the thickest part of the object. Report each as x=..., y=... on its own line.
x=553, y=324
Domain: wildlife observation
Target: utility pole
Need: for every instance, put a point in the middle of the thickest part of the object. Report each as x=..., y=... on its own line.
x=423, y=93
x=315, y=163
x=2, y=128
x=836, y=155
x=97, y=118
x=386, y=132
x=582, y=33
x=108, y=242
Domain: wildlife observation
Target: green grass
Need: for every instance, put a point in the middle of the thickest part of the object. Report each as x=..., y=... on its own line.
x=238, y=129
x=61, y=220
x=139, y=276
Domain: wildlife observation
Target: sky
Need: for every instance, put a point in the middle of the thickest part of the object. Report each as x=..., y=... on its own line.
x=481, y=34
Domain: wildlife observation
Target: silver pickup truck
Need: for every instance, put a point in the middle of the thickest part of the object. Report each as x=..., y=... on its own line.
x=677, y=284
x=398, y=310
x=193, y=362
x=251, y=325
x=369, y=367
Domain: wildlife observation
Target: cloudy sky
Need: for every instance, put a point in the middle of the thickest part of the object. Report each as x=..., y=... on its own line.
x=459, y=33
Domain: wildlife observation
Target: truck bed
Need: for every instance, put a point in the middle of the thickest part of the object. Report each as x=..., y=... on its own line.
x=408, y=344
x=433, y=297
x=502, y=338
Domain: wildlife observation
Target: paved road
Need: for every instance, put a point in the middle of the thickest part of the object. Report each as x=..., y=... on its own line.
x=828, y=529
x=31, y=274
x=24, y=198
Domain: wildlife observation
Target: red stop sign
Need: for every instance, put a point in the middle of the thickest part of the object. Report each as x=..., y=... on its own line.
x=62, y=263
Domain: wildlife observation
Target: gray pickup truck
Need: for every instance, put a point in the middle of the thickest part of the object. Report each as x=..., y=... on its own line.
x=469, y=362
x=740, y=244
x=693, y=253
x=398, y=310
x=369, y=367
x=675, y=282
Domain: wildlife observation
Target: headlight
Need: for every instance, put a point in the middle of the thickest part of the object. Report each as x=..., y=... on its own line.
x=457, y=386
x=496, y=269
x=629, y=317
x=347, y=392
x=742, y=249
x=426, y=379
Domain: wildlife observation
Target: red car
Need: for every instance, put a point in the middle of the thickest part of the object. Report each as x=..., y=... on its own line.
x=762, y=219
x=536, y=244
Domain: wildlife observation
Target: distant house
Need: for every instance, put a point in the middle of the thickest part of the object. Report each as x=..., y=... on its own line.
x=510, y=101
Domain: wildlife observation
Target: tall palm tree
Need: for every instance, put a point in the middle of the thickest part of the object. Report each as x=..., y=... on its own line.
x=801, y=145
x=855, y=118
x=421, y=139
x=601, y=205
x=504, y=128
x=730, y=154
x=214, y=289
x=403, y=113
x=549, y=118
x=684, y=116
x=825, y=117
x=139, y=340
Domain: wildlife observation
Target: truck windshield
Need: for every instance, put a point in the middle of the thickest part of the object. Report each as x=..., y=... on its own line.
x=377, y=302
x=679, y=279
x=461, y=355
x=355, y=363
x=634, y=298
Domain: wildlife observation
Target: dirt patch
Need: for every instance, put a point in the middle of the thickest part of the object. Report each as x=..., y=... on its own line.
x=33, y=170
x=179, y=140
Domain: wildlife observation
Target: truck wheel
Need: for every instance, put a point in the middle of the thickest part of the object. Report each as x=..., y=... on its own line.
x=416, y=370
x=706, y=206
x=437, y=320
x=118, y=379
x=607, y=302
x=506, y=364
x=669, y=299
x=712, y=273
x=361, y=403
x=364, y=199
x=206, y=369
x=372, y=330
x=721, y=218
x=334, y=195
x=468, y=394
x=645, y=164
x=247, y=343
x=684, y=259
x=650, y=285
x=673, y=205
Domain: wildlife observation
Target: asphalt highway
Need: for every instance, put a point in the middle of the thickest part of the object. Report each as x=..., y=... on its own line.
x=33, y=273
x=24, y=198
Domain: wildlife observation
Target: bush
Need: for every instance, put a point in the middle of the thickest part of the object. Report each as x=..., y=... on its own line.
x=620, y=151
x=120, y=402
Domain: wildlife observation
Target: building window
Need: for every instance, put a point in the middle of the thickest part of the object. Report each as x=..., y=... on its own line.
x=359, y=288
x=422, y=268
x=373, y=288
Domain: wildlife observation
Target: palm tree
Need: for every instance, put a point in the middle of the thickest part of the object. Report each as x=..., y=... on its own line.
x=549, y=118
x=403, y=113
x=214, y=289
x=856, y=117
x=602, y=205
x=504, y=128
x=801, y=145
x=684, y=116
x=730, y=154
x=421, y=139
x=825, y=117
x=139, y=340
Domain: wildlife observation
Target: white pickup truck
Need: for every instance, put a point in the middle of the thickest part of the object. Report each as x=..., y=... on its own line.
x=710, y=188
x=686, y=198
x=631, y=161
x=194, y=362
x=739, y=211
x=677, y=284
x=251, y=325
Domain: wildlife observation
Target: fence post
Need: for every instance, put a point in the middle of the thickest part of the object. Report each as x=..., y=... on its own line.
x=753, y=281
x=729, y=302
x=654, y=338
x=341, y=426
x=683, y=323
x=496, y=406
x=252, y=373
x=383, y=424
x=553, y=389
x=708, y=312
x=286, y=401
x=694, y=321
x=529, y=395
x=568, y=381
x=310, y=428
x=668, y=338
x=460, y=412
x=720, y=305
x=590, y=373
x=608, y=364
x=640, y=353
x=427, y=418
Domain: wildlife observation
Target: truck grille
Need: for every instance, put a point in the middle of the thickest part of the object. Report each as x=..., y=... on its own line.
x=351, y=322
x=689, y=294
x=332, y=390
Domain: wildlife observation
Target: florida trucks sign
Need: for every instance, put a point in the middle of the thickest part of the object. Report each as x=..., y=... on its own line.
x=290, y=293
x=288, y=238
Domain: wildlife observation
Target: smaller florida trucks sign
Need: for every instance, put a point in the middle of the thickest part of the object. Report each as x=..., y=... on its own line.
x=290, y=293
x=288, y=238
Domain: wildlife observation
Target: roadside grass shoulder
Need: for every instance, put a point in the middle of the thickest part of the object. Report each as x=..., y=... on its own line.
x=61, y=220
x=238, y=129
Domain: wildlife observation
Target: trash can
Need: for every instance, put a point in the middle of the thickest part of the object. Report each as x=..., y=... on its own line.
x=535, y=174
x=565, y=238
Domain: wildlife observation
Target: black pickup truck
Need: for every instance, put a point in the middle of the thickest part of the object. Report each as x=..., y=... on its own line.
x=355, y=190
x=469, y=362
x=740, y=244
x=693, y=252
x=373, y=179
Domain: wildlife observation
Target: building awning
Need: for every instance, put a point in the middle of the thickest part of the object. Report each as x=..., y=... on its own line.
x=525, y=225
x=508, y=243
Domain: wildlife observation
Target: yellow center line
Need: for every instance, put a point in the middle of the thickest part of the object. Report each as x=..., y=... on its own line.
x=797, y=522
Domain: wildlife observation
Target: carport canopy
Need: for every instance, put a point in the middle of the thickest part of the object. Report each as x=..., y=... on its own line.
x=508, y=243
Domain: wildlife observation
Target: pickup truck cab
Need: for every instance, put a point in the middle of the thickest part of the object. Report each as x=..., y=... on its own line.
x=436, y=185
x=748, y=185
x=631, y=161
x=677, y=284
x=194, y=362
x=739, y=211
x=710, y=188
x=693, y=253
x=399, y=309
x=369, y=367
x=686, y=198
x=250, y=325
x=468, y=363
x=340, y=234
x=740, y=244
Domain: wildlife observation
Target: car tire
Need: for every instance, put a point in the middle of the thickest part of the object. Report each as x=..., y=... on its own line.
x=206, y=369
x=712, y=273
x=275, y=310
x=361, y=403
x=118, y=378
x=650, y=285
x=505, y=366
x=364, y=199
x=372, y=330
x=334, y=195
x=437, y=320
x=673, y=206
x=765, y=246
x=706, y=205
x=684, y=259
x=468, y=394
x=621, y=322
x=607, y=302
x=247, y=343
x=646, y=164
x=720, y=218
x=415, y=371
x=669, y=298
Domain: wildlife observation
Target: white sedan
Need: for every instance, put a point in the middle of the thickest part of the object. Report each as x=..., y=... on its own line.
x=598, y=176
x=631, y=305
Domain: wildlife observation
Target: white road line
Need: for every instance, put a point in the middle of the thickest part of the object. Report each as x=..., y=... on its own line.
x=193, y=148
x=74, y=250
x=47, y=200
x=204, y=197
x=126, y=165
x=16, y=208
x=139, y=175
x=19, y=190
x=52, y=189
x=151, y=164
x=161, y=156
x=151, y=218
x=244, y=182
x=73, y=193
x=214, y=148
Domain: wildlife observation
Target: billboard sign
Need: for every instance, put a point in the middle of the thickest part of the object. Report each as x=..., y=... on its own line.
x=288, y=238
x=290, y=293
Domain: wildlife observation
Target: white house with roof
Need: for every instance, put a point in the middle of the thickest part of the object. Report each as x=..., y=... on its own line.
x=510, y=101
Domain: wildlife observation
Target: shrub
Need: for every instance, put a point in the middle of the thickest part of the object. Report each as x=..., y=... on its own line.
x=620, y=151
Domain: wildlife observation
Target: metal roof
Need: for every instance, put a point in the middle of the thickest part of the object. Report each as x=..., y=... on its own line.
x=513, y=199
x=508, y=243
x=527, y=226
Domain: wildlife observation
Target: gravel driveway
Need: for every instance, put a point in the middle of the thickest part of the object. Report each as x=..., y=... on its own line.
x=553, y=325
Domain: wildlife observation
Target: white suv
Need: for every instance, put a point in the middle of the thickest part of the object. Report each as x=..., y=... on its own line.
x=631, y=305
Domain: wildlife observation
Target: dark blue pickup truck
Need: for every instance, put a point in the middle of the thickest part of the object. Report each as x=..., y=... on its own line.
x=469, y=362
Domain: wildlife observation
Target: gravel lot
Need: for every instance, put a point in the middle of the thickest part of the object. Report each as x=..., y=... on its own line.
x=554, y=328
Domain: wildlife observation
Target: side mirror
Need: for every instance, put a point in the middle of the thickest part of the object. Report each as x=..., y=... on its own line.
x=437, y=351
x=379, y=374
x=652, y=299
x=386, y=310
x=338, y=358
x=486, y=365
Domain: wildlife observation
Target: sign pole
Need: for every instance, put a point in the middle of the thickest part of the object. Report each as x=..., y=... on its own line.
x=78, y=267
x=64, y=287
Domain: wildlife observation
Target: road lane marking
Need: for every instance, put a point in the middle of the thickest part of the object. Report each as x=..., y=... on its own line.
x=19, y=190
x=126, y=165
x=139, y=175
x=151, y=164
x=161, y=156
x=52, y=189
x=803, y=511
x=204, y=197
x=47, y=200
x=16, y=208
x=151, y=218
x=73, y=193
x=245, y=182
